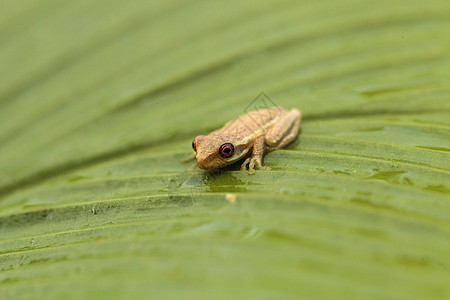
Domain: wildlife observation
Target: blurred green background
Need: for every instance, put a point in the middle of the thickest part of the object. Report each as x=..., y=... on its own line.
x=100, y=100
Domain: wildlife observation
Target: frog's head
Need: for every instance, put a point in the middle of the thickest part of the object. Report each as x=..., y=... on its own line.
x=215, y=151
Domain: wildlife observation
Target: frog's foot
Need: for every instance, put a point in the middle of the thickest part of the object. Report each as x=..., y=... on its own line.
x=193, y=167
x=253, y=162
x=188, y=159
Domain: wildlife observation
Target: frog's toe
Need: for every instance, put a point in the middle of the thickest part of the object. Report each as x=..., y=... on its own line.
x=251, y=164
x=257, y=163
x=244, y=164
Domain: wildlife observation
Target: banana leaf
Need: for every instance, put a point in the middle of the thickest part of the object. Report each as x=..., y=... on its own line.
x=100, y=101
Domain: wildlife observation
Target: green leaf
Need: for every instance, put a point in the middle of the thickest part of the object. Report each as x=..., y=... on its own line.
x=100, y=100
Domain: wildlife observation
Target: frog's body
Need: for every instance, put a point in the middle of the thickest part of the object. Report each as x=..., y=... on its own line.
x=249, y=136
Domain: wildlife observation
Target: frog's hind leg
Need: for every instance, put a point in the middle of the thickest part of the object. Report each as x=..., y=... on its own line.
x=282, y=131
x=288, y=138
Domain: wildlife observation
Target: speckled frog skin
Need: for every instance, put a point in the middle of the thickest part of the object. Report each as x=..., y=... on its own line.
x=250, y=136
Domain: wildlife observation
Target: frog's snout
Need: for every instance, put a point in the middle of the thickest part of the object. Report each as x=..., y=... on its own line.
x=199, y=164
x=206, y=164
x=202, y=165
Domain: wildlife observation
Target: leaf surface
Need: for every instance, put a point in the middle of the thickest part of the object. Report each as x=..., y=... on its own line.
x=100, y=100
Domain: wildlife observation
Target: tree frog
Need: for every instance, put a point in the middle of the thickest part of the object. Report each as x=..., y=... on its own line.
x=250, y=136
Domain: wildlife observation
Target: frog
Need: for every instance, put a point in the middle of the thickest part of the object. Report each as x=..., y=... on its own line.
x=249, y=137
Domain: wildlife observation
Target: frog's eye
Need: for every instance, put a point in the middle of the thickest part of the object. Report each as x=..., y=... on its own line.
x=194, y=146
x=226, y=150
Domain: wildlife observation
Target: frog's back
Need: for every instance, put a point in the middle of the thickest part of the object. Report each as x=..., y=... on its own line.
x=253, y=121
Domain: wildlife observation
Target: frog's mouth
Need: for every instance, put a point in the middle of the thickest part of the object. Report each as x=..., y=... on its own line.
x=202, y=166
x=209, y=165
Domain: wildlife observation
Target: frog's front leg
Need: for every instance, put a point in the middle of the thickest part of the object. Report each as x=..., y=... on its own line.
x=284, y=131
x=255, y=160
x=188, y=159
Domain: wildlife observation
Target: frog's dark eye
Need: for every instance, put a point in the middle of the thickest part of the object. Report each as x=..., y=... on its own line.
x=194, y=146
x=226, y=150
